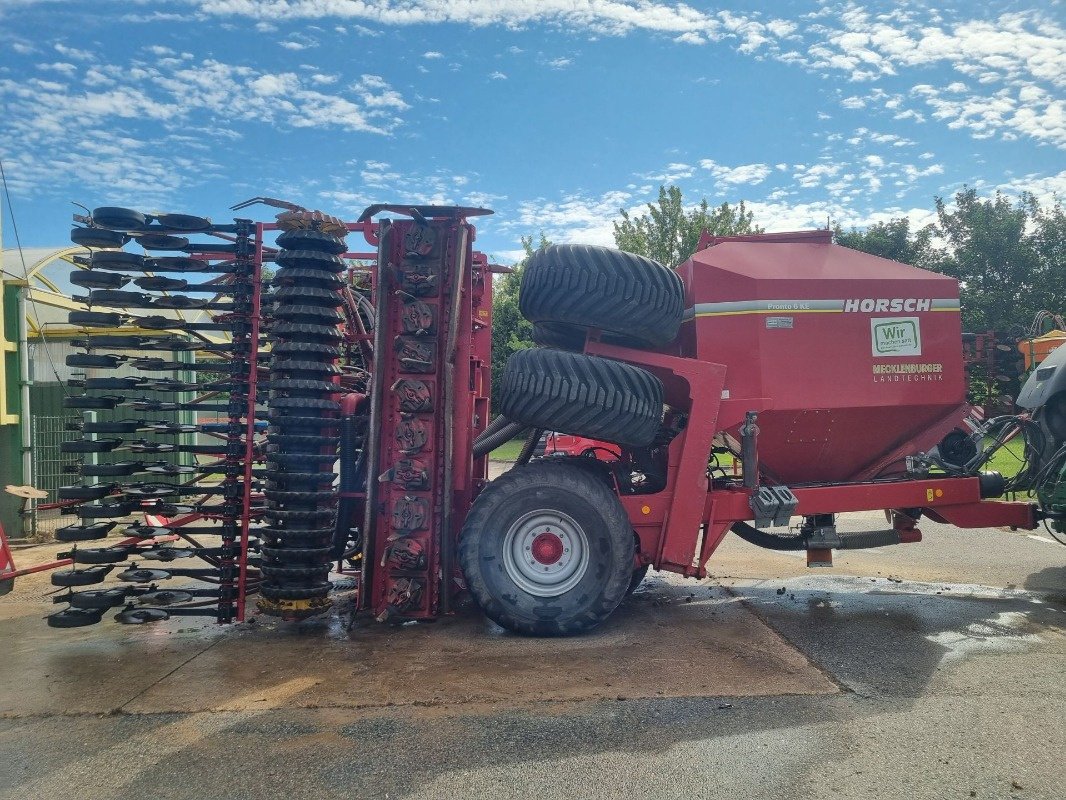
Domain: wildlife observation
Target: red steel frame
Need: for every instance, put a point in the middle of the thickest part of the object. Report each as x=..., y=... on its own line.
x=679, y=533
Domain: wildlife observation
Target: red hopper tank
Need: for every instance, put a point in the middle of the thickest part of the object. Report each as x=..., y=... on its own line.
x=851, y=360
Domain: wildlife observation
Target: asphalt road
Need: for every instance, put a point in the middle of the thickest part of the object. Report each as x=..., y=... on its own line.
x=922, y=671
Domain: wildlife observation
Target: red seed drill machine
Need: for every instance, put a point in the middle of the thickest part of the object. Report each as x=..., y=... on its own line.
x=350, y=391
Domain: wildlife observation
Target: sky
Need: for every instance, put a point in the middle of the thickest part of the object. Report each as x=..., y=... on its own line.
x=554, y=113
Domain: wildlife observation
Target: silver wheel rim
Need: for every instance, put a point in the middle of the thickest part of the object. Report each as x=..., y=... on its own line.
x=545, y=553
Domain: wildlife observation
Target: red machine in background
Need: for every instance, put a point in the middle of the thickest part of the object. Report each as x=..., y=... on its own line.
x=359, y=432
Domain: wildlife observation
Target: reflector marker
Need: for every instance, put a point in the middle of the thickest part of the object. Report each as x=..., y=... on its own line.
x=863, y=305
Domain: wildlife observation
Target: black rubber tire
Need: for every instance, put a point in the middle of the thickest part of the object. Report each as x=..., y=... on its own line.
x=298, y=555
x=93, y=361
x=560, y=337
x=84, y=533
x=295, y=592
x=590, y=503
x=304, y=239
x=321, y=516
x=162, y=241
x=314, y=315
x=80, y=577
x=284, y=573
x=98, y=279
x=101, y=555
x=305, y=332
x=183, y=222
x=310, y=259
x=98, y=237
x=597, y=287
x=305, y=350
x=296, y=276
x=639, y=574
x=88, y=401
x=582, y=395
x=95, y=492
x=180, y=264
x=118, y=260
x=325, y=367
x=118, y=219
x=75, y=617
x=309, y=295
x=102, y=599
x=304, y=404
x=94, y=319
x=89, y=445
x=120, y=468
x=158, y=283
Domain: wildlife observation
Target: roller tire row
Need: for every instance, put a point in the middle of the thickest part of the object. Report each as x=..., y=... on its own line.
x=303, y=436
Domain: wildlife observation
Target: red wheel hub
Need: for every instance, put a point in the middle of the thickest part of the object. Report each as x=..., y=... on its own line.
x=547, y=548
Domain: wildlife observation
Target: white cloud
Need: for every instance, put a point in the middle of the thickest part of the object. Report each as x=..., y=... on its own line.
x=607, y=17
x=73, y=52
x=811, y=175
x=574, y=218
x=672, y=174
x=59, y=66
x=559, y=63
x=690, y=37
x=745, y=174
x=68, y=129
x=497, y=76
x=432, y=54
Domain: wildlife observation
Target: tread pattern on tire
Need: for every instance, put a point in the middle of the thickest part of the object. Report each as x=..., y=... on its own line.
x=582, y=395
x=566, y=615
x=599, y=287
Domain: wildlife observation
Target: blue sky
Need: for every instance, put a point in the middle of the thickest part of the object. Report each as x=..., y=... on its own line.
x=556, y=114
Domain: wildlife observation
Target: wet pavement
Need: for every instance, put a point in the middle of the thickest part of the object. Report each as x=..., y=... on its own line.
x=931, y=670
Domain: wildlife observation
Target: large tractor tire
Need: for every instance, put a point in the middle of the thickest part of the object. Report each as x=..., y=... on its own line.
x=547, y=550
x=582, y=395
x=569, y=288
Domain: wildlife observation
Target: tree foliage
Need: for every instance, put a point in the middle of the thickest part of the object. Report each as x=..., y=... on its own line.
x=1009, y=257
x=510, y=330
x=669, y=232
x=892, y=239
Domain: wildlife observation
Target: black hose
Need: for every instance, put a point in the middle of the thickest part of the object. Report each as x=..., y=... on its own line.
x=504, y=434
x=526, y=452
x=654, y=474
x=768, y=540
x=863, y=539
x=492, y=428
x=848, y=541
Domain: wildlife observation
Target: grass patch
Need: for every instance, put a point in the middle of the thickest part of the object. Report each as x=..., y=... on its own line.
x=508, y=451
x=1008, y=459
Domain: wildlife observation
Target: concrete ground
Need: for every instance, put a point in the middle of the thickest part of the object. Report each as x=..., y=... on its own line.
x=921, y=671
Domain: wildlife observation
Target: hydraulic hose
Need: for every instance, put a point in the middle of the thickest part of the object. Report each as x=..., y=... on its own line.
x=769, y=541
x=492, y=428
x=848, y=541
x=489, y=443
x=531, y=444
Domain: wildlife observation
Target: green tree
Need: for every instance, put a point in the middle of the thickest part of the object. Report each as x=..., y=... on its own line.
x=893, y=239
x=1008, y=257
x=510, y=330
x=669, y=232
